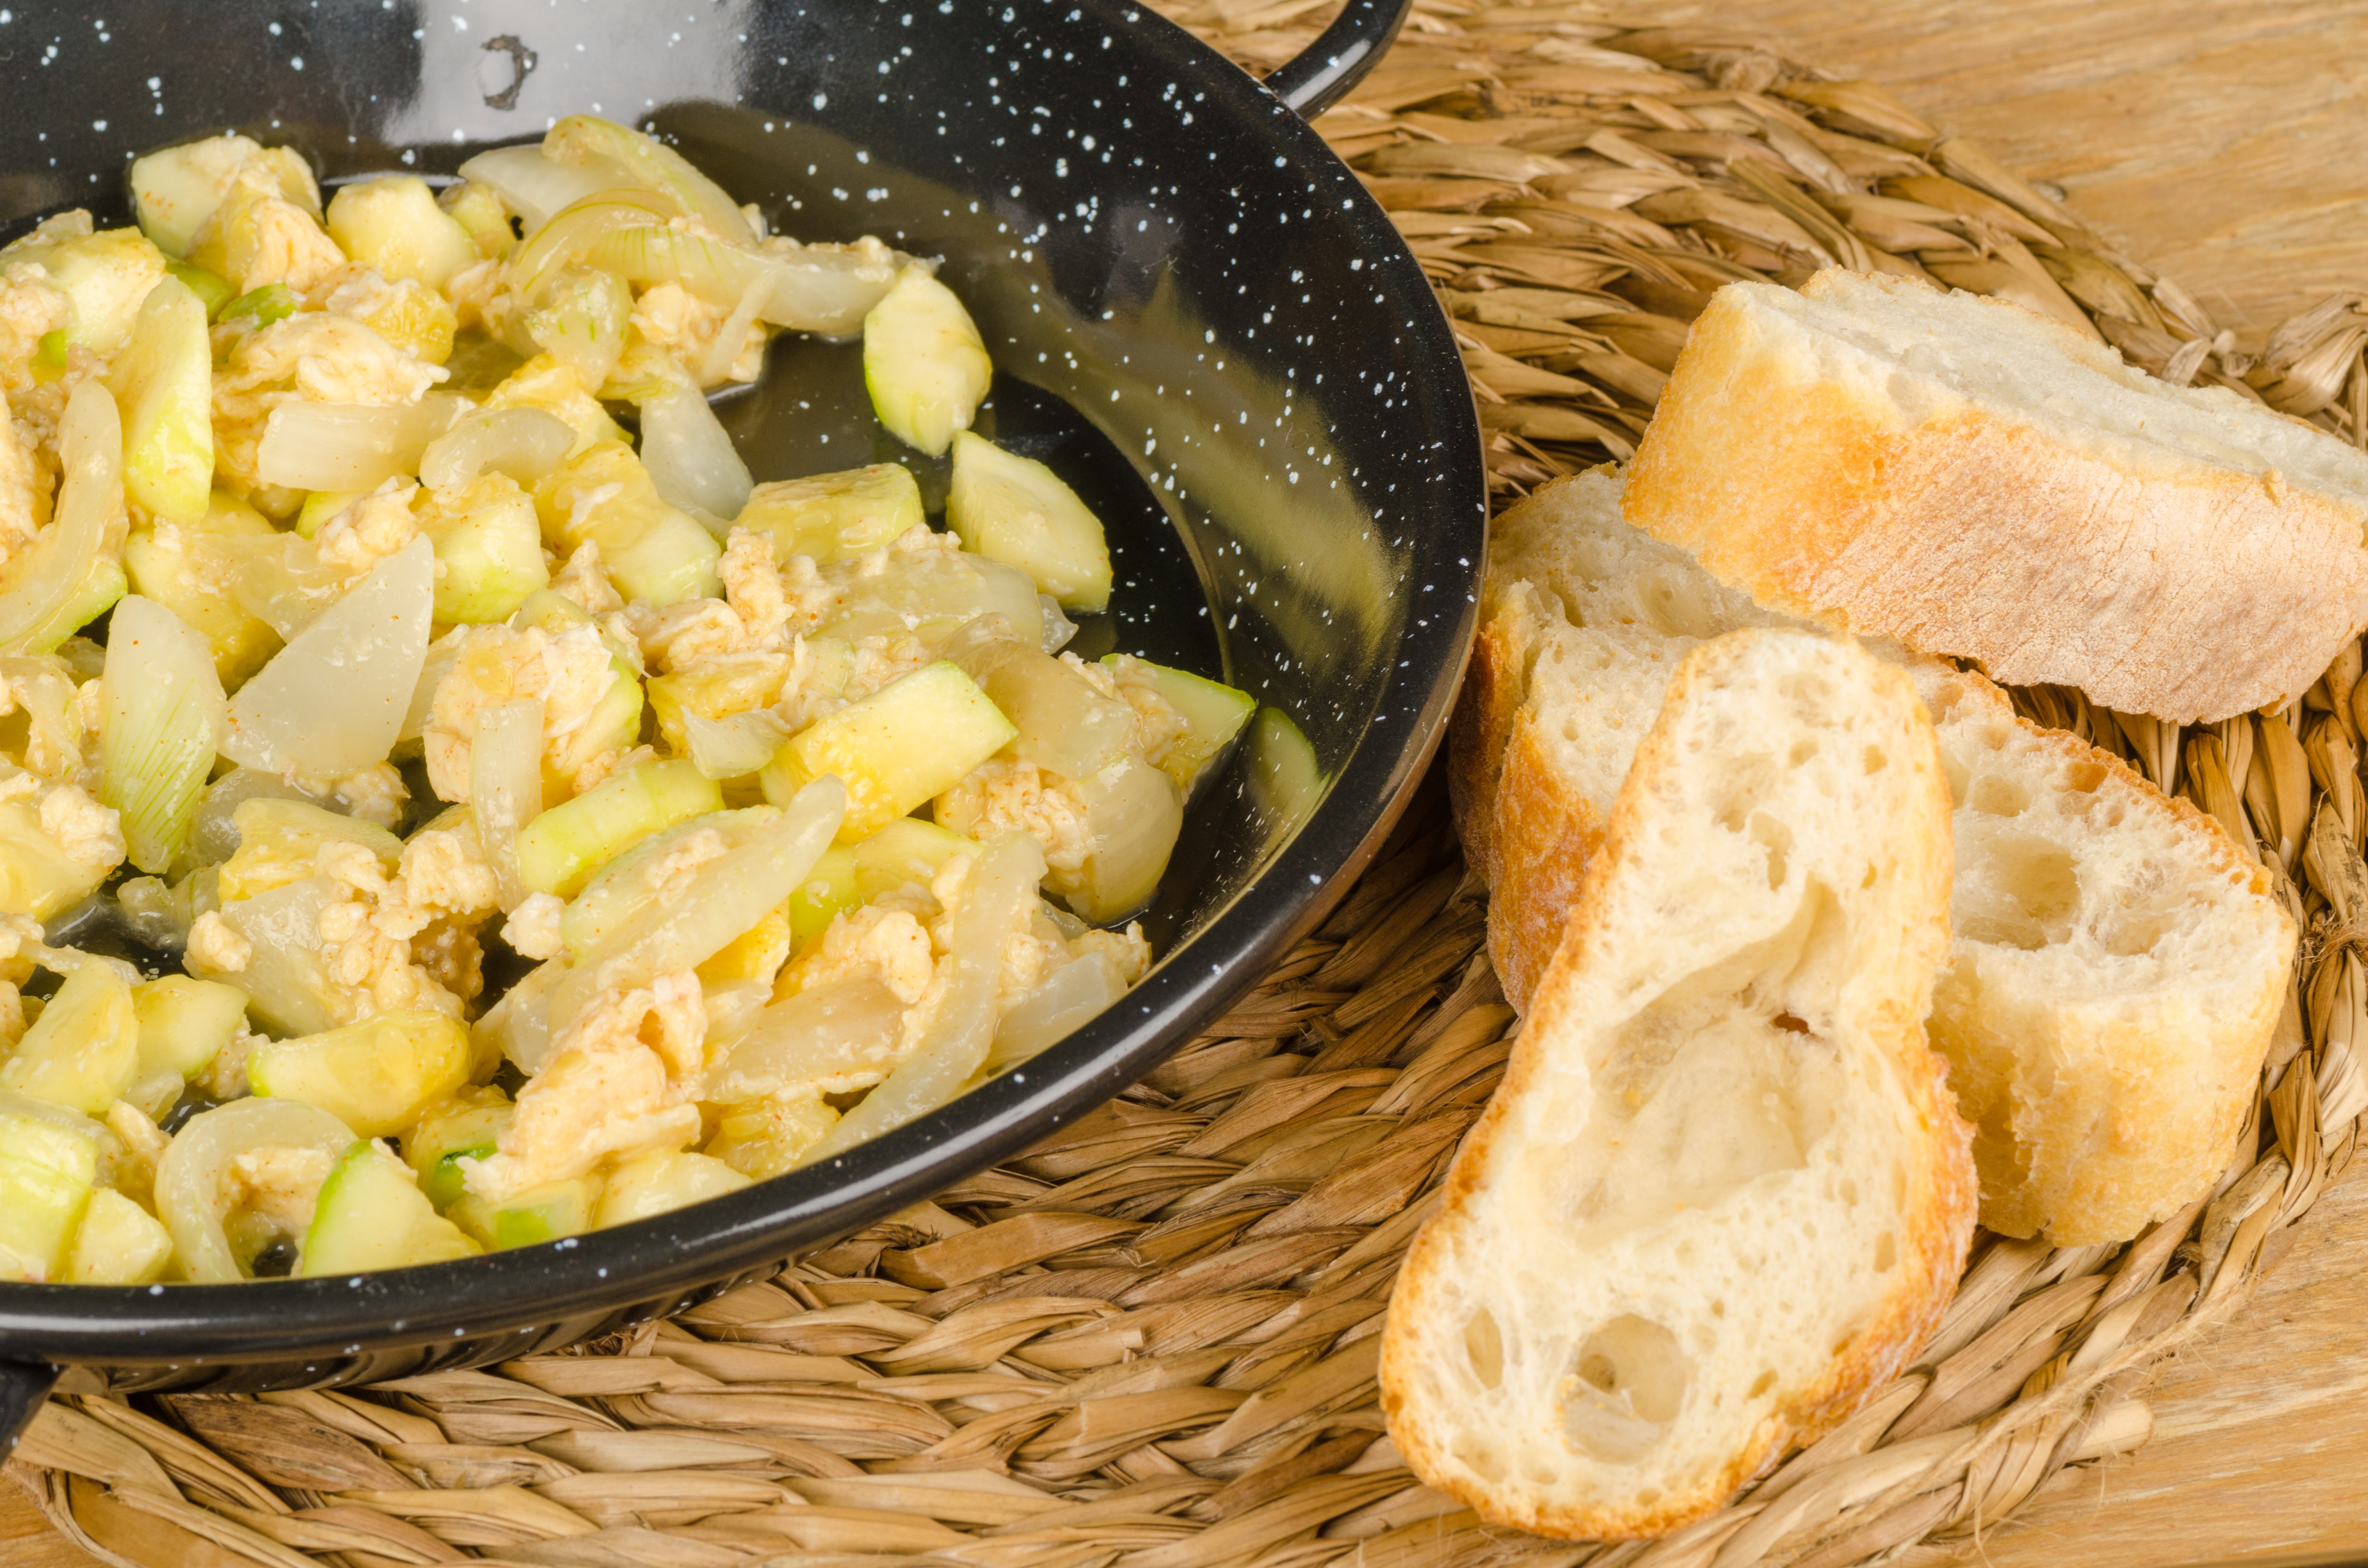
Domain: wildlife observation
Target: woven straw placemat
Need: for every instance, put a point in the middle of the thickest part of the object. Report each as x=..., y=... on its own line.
x=1151, y=1341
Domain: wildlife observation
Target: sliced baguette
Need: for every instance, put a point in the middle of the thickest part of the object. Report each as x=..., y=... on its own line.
x=1972, y=479
x=2116, y=964
x=1721, y=1194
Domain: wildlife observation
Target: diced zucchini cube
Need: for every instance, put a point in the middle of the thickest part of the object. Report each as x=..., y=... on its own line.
x=117, y=1243
x=175, y=190
x=480, y=214
x=831, y=888
x=163, y=382
x=558, y=850
x=908, y=741
x=765, y=1138
x=46, y=1174
x=652, y=551
x=370, y=1215
x=466, y=1127
x=84, y=1051
x=717, y=688
x=376, y=1076
x=393, y=225
x=658, y=1180
x=488, y=549
x=185, y=1023
x=906, y=851
x=924, y=363
x=546, y=383
x=546, y=1213
x=1215, y=711
x=106, y=276
x=1015, y=510
x=833, y=516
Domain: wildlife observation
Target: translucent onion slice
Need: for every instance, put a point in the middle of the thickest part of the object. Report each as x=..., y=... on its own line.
x=834, y=1036
x=335, y=698
x=40, y=580
x=995, y=902
x=213, y=826
x=191, y=1177
x=1133, y=813
x=537, y=188
x=692, y=460
x=1058, y=1007
x=505, y=786
x=735, y=746
x=525, y=443
x=575, y=229
x=443, y=655
x=166, y=719
x=588, y=141
x=286, y=986
x=723, y=901
x=821, y=289
x=349, y=446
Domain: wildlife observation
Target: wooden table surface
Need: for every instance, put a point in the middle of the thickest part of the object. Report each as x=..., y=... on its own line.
x=2224, y=145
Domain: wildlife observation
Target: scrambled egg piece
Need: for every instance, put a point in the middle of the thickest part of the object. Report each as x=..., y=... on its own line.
x=257, y=236
x=1005, y=795
x=279, y=1183
x=31, y=309
x=367, y=531
x=405, y=311
x=585, y=581
x=1159, y=723
x=621, y=1079
x=62, y=719
x=315, y=356
x=755, y=615
x=891, y=944
x=687, y=328
x=568, y=671
x=20, y=486
x=374, y=794
x=532, y=928
x=384, y=942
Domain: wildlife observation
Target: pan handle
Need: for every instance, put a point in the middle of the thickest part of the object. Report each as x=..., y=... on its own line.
x=24, y=1385
x=1320, y=75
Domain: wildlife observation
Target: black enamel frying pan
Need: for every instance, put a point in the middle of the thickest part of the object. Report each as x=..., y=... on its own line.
x=1197, y=315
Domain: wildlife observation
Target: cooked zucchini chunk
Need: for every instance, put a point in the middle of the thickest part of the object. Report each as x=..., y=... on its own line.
x=370, y=1214
x=376, y=1076
x=924, y=362
x=1015, y=510
x=833, y=516
x=46, y=1174
x=558, y=850
x=908, y=741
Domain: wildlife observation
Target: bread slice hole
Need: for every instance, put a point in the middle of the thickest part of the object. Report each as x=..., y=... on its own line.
x=1762, y=1383
x=1876, y=760
x=1777, y=839
x=1886, y=1254
x=1483, y=1347
x=1627, y=1384
x=2023, y=895
x=1999, y=796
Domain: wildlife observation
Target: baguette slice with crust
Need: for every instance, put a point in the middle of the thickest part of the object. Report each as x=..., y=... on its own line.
x=1972, y=479
x=2116, y=965
x=1721, y=1194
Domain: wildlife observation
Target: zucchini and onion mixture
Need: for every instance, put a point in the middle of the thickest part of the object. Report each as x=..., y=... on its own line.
x=801, y=816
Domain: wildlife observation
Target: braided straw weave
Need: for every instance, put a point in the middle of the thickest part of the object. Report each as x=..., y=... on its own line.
x=1151, y=1342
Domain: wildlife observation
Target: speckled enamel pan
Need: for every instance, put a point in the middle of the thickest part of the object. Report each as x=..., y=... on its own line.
x=1197, y=314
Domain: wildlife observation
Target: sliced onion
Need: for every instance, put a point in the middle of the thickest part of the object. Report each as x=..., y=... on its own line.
x=717, y=367
x=588, y=141
x=833, y=1038
x=724, y=900
x=277, y=578
x=213, y=826
x=349, y=446
x=518, y=1025
x=335, y=699
x=1133, y=813
x=994, y=902
x=190, y=1177
x=40, y=580
x=443, y=655
x=692, y=459
x=537, y=188
x=735, y=746
x=505, y=786
x=575, y=229
x=286, y=986
x=525, y=443
x=166, y=719
x=822, y=289
x=1061, y=1004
